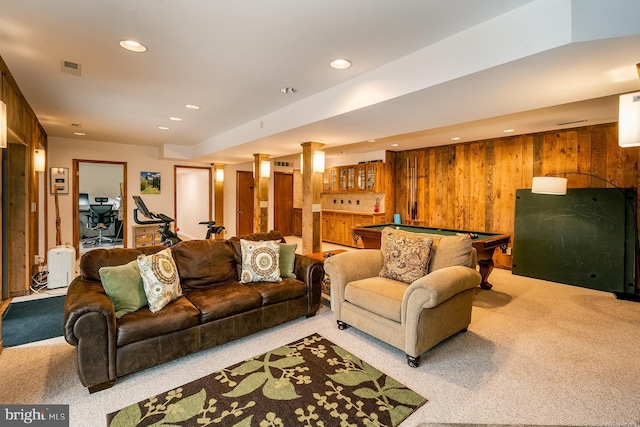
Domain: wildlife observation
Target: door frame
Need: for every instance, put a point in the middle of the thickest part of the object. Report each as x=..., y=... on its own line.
x=76, y=200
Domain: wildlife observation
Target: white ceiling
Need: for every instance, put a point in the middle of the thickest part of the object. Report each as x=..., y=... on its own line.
x=423, y=70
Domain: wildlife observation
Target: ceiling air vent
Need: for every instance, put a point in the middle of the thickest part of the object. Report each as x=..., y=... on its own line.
x=69, y=67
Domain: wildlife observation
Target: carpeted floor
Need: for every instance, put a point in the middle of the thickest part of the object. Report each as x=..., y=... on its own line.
x=536, y=353
x=35, y=320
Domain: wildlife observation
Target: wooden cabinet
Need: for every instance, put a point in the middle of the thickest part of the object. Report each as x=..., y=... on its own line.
x=337, y=225
x=145, y=235
x=364, y=177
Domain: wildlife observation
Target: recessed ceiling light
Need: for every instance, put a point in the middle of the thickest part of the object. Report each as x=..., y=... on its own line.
x=192, y=106
x=394, y=145
x=133, y=46
x=508, y=130
x=163, y=128
x=288, y=90
x=175, y=119
x=79, y=133
x=372, y=140
x=340, y=64
x=455, y=138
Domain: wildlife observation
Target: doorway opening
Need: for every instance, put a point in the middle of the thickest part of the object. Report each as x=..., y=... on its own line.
x=192, y=201
x=100, y=205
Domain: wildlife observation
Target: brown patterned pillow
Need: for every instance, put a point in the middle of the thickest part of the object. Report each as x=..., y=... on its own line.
x=406, y=257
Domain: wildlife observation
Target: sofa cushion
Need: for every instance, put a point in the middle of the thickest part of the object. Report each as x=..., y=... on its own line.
x=123, y=284
x=377, y=294
x=260, y=261
x=224, y=300
x=160, y=278
x=406, y=255
x=214, y=263
x=91, y=261
x=287, y=259
x=273, y=293
x=142, y=324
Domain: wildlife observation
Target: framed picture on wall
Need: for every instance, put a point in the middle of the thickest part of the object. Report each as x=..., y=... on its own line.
x=59, y=180
x=149, y=182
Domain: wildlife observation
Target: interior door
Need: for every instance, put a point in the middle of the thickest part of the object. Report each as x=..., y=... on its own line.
x=244, y=203
x=283, y=203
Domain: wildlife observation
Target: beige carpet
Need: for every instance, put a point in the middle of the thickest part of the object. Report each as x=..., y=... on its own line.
x=535, y=353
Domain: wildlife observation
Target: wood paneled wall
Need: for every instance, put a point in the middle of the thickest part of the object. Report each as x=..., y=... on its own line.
x=472, y=186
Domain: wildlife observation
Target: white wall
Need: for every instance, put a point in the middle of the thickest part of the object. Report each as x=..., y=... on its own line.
x=62, y=151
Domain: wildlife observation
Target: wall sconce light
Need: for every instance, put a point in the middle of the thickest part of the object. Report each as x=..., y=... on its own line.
x=317, y=162
x=265, y=168
x=220, y=174
x=3, y=125
x=629, y=120
x=549, y=185
x=39, y=161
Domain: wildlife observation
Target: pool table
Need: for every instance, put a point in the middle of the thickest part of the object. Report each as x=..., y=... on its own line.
x=485, y=243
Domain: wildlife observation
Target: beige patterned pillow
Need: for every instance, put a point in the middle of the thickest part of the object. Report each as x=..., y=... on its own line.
x=160, y=278
x=406, y=256
x=260, y=261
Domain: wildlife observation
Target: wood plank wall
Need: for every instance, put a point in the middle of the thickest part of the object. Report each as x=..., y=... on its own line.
x=472, y=186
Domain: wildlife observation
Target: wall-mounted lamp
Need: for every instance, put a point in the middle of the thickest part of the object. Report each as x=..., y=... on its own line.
x=39, y=161
x=629, y=120
x=265, y=168
x=3, y=125
x=220, y=175
x=317, y=162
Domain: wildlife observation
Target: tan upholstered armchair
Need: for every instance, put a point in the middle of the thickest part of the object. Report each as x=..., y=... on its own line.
x=413, y=316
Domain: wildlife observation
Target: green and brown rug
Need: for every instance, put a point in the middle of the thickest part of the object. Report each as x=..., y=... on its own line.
x=310, y=382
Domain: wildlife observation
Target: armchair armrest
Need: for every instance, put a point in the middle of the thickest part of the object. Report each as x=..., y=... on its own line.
x=349, y=266
x=435, y=288
x=90, y=325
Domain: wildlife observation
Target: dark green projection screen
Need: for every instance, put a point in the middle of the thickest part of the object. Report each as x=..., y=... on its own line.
x=585, y=238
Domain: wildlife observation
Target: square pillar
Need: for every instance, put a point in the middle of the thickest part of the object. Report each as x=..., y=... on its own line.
x=261, y=173
x=311, y=200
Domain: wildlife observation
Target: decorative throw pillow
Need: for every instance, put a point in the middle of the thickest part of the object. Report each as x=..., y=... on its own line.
x=260, y=261
x=406, y=258
x=287, y=259
x=160, y=279
x=123, y=284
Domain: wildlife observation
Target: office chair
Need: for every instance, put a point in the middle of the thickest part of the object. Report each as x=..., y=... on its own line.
x=100, y=218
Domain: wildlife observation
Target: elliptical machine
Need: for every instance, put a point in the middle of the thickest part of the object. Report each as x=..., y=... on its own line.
x=167, y=237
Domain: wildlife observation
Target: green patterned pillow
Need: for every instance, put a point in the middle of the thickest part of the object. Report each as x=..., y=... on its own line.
x=406, y=256
x=160, y=277
x=287, y=259
x=124, y=286
x=260, y=261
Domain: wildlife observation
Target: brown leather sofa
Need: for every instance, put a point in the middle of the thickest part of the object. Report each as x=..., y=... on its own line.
x=215, y=308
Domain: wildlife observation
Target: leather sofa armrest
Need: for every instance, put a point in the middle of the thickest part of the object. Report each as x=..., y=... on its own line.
x=90, y=325
x=435, y=288
x=311, y=272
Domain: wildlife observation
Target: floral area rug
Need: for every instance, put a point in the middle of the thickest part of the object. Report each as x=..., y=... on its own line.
x=310, y=382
